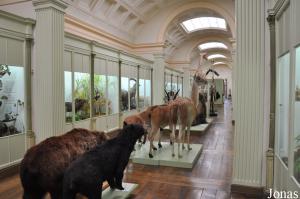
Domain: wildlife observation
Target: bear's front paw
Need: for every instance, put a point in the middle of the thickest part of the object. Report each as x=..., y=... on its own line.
x=120, y=187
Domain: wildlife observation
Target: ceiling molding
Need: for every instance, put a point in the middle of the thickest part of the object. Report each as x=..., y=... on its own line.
x=82, y=29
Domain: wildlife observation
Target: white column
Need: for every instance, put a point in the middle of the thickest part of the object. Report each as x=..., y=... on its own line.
x=49, y=108
x=158, y=78
x=186, y=83
x=233, y=55
x=249, y=76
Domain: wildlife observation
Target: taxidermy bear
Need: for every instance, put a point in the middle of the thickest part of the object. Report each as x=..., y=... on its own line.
x=106, y=162
x=43, y=166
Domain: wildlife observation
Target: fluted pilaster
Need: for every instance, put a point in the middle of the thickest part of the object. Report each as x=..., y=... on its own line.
x=158, y=78
x=49, y=112
x=186, y=83
x=249, y=96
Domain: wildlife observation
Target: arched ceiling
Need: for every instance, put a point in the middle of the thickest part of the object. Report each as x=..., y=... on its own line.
x=158, y=21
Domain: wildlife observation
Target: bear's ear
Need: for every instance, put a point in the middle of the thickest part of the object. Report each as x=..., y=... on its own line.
x=125, y=123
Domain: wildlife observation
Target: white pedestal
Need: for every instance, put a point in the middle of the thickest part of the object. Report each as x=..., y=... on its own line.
x=108, y=193
x=163, y=156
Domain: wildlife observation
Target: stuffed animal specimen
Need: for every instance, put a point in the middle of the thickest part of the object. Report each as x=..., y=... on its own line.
x=43, y=166
x=106, y=162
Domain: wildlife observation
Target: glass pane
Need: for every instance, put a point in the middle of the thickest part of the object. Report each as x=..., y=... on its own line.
x=82, y=95
x=68, y=96
x=113, y=94
x=148, y=93
x=282, y=107
x=132, y=92
x=11, y=100
x=141, y=93
x=180, y=89
x=297, y=118
x=100, y=100
x=124, y=93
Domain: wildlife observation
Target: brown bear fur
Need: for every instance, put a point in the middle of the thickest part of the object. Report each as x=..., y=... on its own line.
x=43, y=166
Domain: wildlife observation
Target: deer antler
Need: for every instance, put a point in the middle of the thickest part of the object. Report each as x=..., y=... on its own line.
x=176, y=94
x=168, y=96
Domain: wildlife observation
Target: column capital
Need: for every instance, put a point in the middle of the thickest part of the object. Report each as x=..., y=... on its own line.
x=60, y=5
x=159, y=55
x=271, y=19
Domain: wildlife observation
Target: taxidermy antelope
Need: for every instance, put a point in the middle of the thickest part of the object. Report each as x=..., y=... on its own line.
x=142, y=118
x=160, y=117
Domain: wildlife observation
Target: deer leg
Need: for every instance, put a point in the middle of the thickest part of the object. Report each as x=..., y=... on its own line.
x=188, y=137
x=179, y=140
x=172, y=138
x=159, y=138
x=183, y=138
x=151, y=138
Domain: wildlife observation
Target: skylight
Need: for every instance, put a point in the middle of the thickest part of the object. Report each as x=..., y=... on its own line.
x=218, y=63
x=201, y=23
x=209, y=45
x=214, y=56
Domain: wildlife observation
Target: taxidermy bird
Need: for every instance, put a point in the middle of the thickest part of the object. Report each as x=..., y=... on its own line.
x=4, y=70
x=212, y=71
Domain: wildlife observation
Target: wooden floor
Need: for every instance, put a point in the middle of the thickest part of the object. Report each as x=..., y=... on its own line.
x=209, y=179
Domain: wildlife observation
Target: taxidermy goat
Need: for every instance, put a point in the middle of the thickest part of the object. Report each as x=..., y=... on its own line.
x=43, y=166
x=104, y=163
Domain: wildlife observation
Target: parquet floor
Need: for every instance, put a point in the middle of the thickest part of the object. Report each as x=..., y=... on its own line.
x=209, y=179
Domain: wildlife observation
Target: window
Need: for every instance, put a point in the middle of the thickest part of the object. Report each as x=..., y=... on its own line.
x=297, y=118
x=11, y=100
x=282, y=107
x=201, y=23
x=210, y=45
x=219, y=63
x=215, y=56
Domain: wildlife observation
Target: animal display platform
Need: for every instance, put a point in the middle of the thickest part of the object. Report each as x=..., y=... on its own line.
x=108, y=193
x=198, y=128
x=163, y=156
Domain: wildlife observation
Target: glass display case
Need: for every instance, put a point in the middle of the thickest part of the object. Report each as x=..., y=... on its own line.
x=68, y=96
x=112, y=83
x=11, y=100
x=282, y=107
x=82, y=95
x=124, y=93
x=147, y=100
x=128, y=87
x=296, y=137
x=141, y=93
x=100, y=100
x=112, y=87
